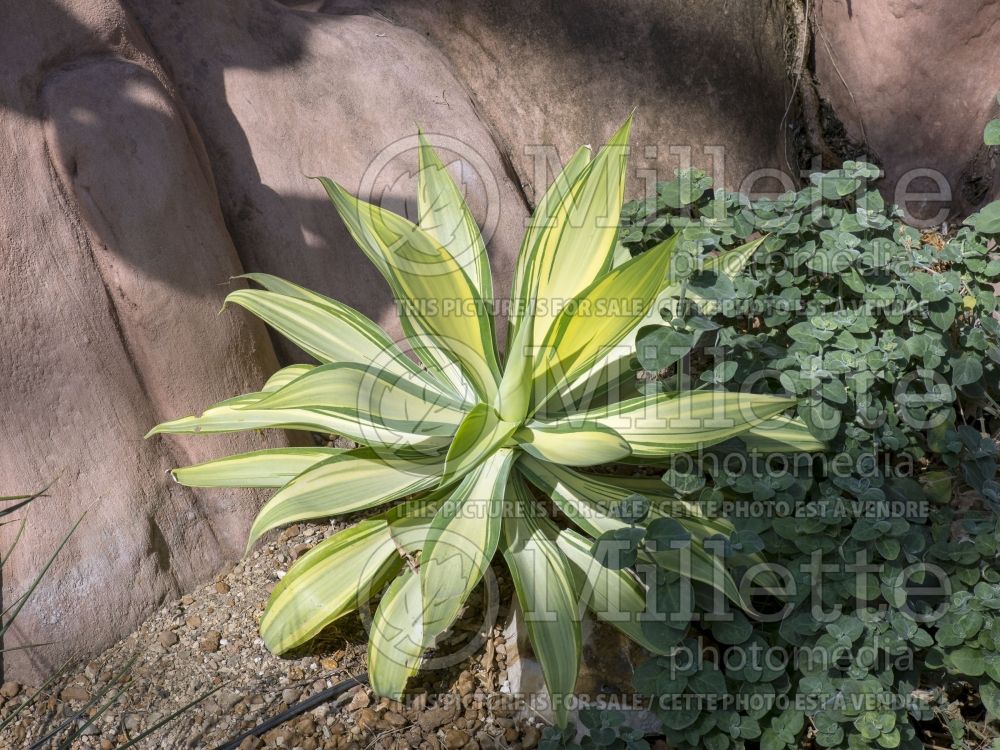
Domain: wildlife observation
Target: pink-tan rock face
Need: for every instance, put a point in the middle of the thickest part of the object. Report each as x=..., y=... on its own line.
x=917, y=81
x=112, y=257
x=707, y=79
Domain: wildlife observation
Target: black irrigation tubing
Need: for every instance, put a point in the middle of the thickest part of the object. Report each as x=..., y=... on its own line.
x=299, y=708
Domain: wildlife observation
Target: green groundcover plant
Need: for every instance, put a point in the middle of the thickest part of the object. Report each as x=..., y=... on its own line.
x=885, y=631
x=474, y=442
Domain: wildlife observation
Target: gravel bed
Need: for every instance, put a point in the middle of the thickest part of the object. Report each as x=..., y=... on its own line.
x=208, y=639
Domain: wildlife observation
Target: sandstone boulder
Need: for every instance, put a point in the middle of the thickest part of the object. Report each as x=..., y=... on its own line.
x=915, y=82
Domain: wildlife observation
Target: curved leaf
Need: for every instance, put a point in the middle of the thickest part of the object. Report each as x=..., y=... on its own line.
x=526, y=272
x=441, y=311
x=379, y=408
x=614, y=596
x=326, y=329
x=395, y=641
x=445, y=216
x=274, y=467
x=666, y=424
x=547, y=593
x=480, y=434
x=597, y=320
x=461, y=543
x=351, y=481
x=585, y=444
x=331, y=580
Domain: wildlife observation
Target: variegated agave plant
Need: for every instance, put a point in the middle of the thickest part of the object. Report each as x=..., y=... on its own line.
x=468, y=438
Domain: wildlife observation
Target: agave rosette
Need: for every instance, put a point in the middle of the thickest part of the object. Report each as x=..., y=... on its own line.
x=471, y=439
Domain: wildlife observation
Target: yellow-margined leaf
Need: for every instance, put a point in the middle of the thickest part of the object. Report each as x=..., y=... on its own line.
x=274, y=467
x=329, y=331
x=782, y=435
x=591, y=516
x=614, y=596
x=351, y=481
x=240, y=413
x=331, y=580
x=284, y=376
x=445, y=216
x=395, y=641
x=547, y=593
x=378, y=407
x=602, y=493
x=568, y=246
x=613, y=376
x=665, y=424
x=576, y=237
x=441, y=311
x=480, y=434
x=235, y=414
x=584, y=444
x=597, y=320
x=462, y=540
x=526, y=272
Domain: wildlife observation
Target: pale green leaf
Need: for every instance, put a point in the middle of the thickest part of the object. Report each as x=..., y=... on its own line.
x=331, y=580
x=478, y=436
x=463, y=538
x=546, y=591
x=614, y=596
x=575, y=238
x=581, y=444
x=351, y=481
x=665, y=424
x=328, y=330
x=526, y=272
x=782, y=435
x=379, y=408
x=395, y=640
x=441, y=311
x=445, y=216
x=273, y=467
x=596, y=321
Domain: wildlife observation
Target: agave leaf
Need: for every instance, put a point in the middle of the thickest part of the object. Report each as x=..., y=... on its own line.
x=328, y=330
x=602, y=493
x=440, y=308
x=351, y=481
x=597, y=320
x=614, y=596
x=379, y=406
x=665, y=424
x=613, y=376
x=584, y=444
x=284, y=376
x=233, y=415
x=480, y=434
x=240, y=413
x=331, y=580
x=445, y=216
x=568, y=247
x=395, y=641
x=525, y=283
x=576, y=237
x=223, y=416
x=693, y=561
x=273, y=467
x=782, y=435
x=463, y=538
x=547, y=592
